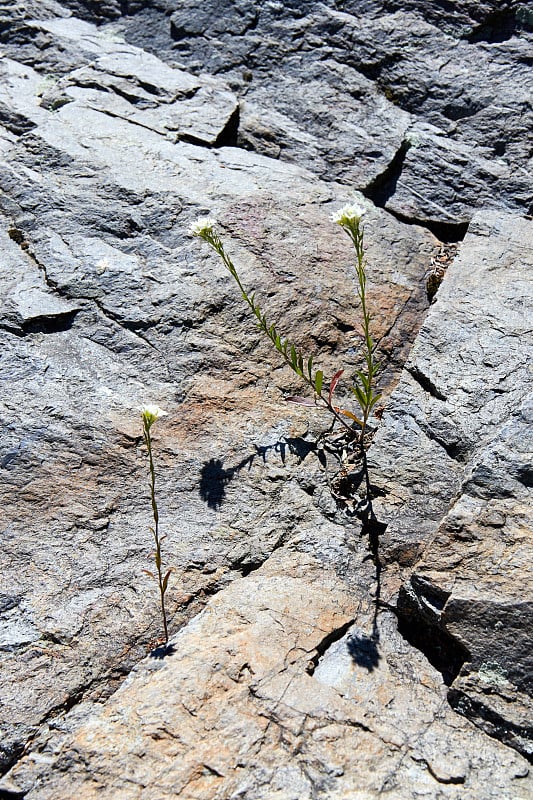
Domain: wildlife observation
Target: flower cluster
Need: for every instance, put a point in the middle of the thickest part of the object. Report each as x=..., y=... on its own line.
x=150, y=413
x=348, y=215
x=202, y=227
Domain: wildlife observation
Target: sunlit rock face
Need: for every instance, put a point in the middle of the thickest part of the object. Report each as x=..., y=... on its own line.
x=315, y=651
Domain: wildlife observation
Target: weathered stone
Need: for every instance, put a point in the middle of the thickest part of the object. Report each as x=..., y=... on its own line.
x=108, y=303
x=419, y=58
x=288, y=117
x=27, y=304
x=20, y=88
x=465, y=429
x=465, y=170
x=252, y=722
x=479, y=569
x=101, y=205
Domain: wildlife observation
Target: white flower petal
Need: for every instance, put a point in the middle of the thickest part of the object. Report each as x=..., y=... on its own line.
x=352, y=212
x=150, y=413
x=202, y=226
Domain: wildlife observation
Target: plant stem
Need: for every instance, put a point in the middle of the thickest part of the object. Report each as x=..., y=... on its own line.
x=364, y=388
x=213, y=239
x=155, y=529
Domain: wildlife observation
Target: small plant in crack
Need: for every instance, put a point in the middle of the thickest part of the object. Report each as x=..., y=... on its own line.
x=150, y=414
x=355, y=426
x=349, y=218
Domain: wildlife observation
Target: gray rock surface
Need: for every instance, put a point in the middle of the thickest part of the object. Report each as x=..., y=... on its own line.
x=290, y=675
x=449, y=93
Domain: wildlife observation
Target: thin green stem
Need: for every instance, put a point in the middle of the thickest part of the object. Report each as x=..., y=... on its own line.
x=364, y=387
x=292, y=357
x=155, y=529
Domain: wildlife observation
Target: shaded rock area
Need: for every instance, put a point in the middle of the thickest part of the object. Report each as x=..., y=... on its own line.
x=315, y=652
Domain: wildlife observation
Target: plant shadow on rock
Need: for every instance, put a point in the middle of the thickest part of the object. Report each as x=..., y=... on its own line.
x=214, y=477
x=162, y=651
x=363, y=649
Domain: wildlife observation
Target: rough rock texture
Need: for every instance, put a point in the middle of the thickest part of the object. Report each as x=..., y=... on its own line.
x=448, y=94
x=332, y=657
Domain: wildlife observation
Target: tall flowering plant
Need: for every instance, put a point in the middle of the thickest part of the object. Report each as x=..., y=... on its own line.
x=349, y=218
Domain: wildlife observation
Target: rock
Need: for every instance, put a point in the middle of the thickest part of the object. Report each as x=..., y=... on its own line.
x=444, y=406
x=130, y=309
x=20, y=110
x=466, y=172
x=418, y=61
x=482, y=580
x=279, y=120
x=290, y=673
x=466, y=587
x=254, y=721
x=27, y=304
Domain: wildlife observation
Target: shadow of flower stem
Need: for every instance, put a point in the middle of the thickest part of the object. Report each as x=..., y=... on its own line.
x=149, y=415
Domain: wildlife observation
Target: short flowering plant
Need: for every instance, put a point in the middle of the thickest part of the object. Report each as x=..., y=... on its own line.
x=150, y=414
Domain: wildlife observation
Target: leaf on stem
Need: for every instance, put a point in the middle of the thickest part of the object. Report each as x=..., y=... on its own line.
x=360, y=395
x=165, y=580
x=349, y=414
x=300, y=401
x=334, y=382
x=365, y=380
x=375, y=399
x=319, y=377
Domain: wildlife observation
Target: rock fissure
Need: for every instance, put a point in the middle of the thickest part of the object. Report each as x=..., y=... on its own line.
x=517, y=737
x=63, y=321
x=383, y=185
x=325, y=644
x=425, y=382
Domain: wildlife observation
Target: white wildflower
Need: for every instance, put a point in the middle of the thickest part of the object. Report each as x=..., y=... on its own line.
x=202, y=226
x=348, y=214
x=150, y=413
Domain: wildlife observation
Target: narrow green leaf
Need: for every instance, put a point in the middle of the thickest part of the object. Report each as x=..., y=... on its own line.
x=165, y=581
x=375, y=399
x=293, y=357
x=364, y=379
x=361, y=399
x=319, y=377
x=310, y=368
